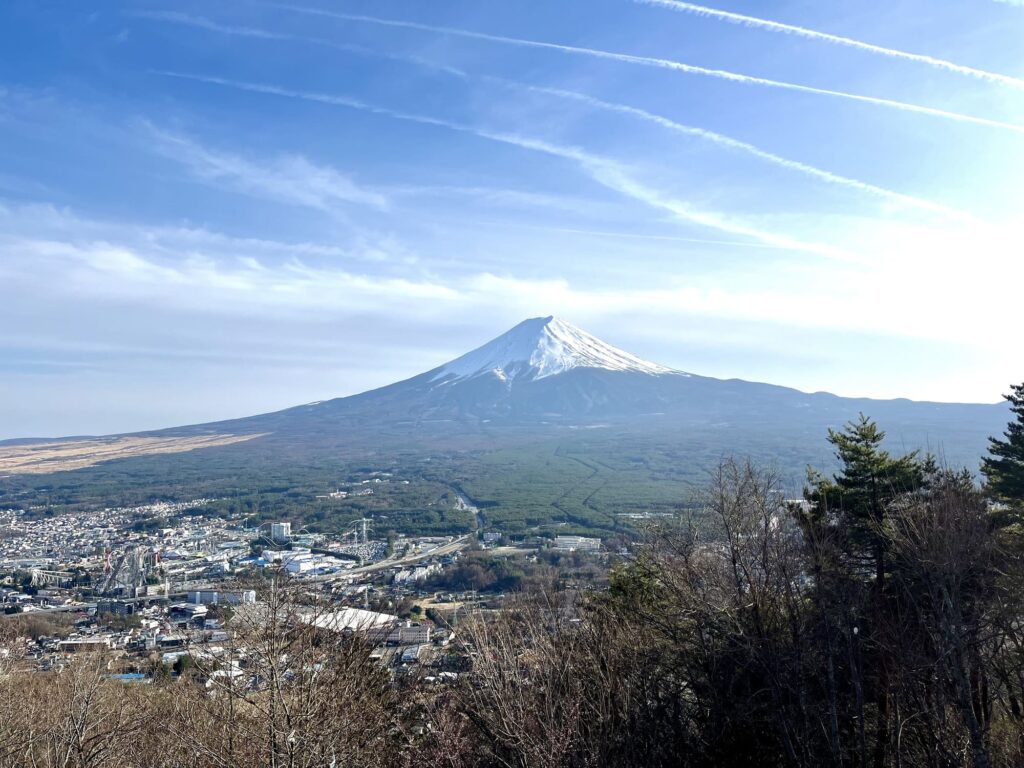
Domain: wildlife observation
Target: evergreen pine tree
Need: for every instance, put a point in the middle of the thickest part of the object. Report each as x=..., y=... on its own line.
x=868, y=479
x=1004, y=466
x=853, y=503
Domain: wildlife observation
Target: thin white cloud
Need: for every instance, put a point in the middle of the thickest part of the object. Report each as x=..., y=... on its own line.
x=290, y=178
x=508, y=198
x=181, y=301
x=701, y=133
x=204, y=23
x=744, y=147
x=174, y=242
x=201, y=22
x=650, y=61
x=927, y=294
x=811, y=34
x=604, y=171
x=195, y=282
x=604, y=233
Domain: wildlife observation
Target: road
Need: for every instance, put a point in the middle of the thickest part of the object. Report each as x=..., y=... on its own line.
x=463, y=503
x=445, y=549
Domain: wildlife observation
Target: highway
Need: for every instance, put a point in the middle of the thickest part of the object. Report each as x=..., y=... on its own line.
x=444, y=549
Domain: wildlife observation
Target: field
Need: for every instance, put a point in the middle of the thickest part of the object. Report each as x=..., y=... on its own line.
x=47, y=457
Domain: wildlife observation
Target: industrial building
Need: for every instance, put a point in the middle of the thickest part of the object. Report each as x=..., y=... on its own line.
x=577, y=544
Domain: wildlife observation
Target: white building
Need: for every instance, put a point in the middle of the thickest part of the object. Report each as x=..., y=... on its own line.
x=577, y=544
x=280, y=532
x=215, y=597
x=301, y=561
x=375, y=626
x=410, y=634
x=420, y=573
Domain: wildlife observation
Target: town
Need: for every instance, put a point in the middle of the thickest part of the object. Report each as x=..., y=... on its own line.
x=155, y=602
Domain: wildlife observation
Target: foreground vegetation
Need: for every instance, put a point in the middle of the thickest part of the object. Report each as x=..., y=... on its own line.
x=877, y=624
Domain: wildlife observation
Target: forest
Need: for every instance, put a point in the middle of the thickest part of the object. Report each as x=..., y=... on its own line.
x=877, y=622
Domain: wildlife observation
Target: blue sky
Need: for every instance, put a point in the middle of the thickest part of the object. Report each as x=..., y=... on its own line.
x=211, y=210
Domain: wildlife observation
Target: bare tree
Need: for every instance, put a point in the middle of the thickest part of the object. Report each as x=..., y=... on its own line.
x=945, y=559
x=306, y=692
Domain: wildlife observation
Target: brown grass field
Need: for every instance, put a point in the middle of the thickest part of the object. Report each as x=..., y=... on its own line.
x=60, y=456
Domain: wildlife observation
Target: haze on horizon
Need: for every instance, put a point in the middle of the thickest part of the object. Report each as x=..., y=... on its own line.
x=215, y=211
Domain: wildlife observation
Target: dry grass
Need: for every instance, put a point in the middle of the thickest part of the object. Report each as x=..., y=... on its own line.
x=43, y=458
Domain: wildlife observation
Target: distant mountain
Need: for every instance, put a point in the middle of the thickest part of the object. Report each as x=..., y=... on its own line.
x=544, y=428
x=546, y=381
x=547, y=374
x=538, y=348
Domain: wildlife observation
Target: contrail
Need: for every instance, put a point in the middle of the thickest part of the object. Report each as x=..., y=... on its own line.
x=700, y=133
x=742, y=146
x=605, y=172
x=811, y=34
x=651, y=61
x=642, y=236
x=201, y=22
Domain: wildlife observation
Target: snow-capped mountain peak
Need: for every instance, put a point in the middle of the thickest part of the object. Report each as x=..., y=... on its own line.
x=542, y=347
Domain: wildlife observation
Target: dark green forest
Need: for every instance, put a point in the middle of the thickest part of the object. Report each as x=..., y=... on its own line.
x=594, y=481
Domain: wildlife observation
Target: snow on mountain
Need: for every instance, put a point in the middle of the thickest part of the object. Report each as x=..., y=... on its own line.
x=542, y=347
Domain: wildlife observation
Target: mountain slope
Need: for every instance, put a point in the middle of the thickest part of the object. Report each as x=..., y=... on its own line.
x=545, y=373
x=539, y=348
x=546, y=379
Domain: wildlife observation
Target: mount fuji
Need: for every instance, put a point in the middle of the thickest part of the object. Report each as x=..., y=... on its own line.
x=542, y=347
x=548, y=388
x=544, y=370
x=545, y=375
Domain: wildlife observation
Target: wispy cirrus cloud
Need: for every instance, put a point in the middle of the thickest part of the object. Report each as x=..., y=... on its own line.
x=202, y=22
x=229, y=312
x=661, y=63
x=358, y=251
x=291, y=179
x=745, y=147
x=812, y=34
x=209, y=25
x=505, y=197
x=605, y=171
x=713, y=137
x=59, y=253
x=124, y=271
